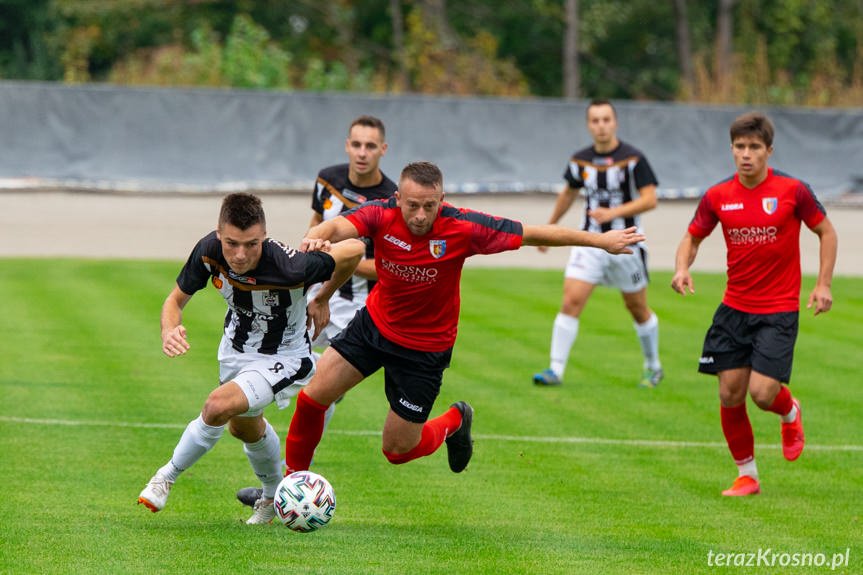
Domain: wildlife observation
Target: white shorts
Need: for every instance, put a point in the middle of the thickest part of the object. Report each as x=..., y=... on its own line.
x=264, y=378
x=626, y=272
x=342, y=312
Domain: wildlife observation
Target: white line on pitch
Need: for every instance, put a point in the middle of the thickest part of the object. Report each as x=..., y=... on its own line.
x=515, y=438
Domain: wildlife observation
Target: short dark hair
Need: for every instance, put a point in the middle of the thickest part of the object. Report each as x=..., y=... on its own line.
x=753, y=124
x=242, y=211
x=425, y=174
x=369, y=122
x=600, y=102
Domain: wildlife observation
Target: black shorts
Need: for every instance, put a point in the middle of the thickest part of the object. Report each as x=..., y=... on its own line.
x=762, y=341
x=412, y=378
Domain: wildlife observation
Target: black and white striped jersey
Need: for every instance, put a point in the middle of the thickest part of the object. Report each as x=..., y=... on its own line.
x=267, y=306
x=609, y=180
x=334, y=194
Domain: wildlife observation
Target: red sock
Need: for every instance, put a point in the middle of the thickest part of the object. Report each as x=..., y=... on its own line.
x=307, y=427
x=738, y=432
x=433, y=435
x=782, y=404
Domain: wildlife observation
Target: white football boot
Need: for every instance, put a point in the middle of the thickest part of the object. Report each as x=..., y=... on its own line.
x=264, y=512
x=155, y=495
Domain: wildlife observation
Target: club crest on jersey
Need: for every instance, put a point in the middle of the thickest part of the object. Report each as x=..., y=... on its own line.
x=217, y=281
x=769, y=205
x=437, y=248
x=271, y=299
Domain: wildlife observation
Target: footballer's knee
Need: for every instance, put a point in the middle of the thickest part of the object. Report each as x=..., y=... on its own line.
x=219, y=408
x=763, y=396
x=394, y=447
x=732, y=397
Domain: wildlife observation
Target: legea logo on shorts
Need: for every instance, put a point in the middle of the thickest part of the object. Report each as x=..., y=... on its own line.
x=411, y=406
x=705, y=359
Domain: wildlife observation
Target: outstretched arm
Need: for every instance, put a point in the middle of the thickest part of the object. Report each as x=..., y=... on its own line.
x=347, y=254
x=686, y=253
x=821, y=296
x=333, y=230
x=613, y=241
x=174, y=341
x=564, y=201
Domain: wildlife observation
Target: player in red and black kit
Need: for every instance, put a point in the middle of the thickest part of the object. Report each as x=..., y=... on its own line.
x=750, y=344
x=409, y=324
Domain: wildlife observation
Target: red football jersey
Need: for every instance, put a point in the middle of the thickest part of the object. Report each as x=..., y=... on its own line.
x=416, y=300
x=762, y=237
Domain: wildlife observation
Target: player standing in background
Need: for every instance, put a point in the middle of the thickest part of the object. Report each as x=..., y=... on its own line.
x=265, y=353
x=619, y=185
x=410, y=321
x=343, y=187
x=338, y=189
x=750, y=345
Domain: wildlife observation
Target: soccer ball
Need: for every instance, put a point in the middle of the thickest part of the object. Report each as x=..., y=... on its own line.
x=304, y=501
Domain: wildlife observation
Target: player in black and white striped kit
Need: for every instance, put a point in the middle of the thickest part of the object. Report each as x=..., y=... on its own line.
x=341, y=188
x=265, y=353
x=619, y=185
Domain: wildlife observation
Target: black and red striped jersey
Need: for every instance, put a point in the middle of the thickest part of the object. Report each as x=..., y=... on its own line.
x=334, y=194
x=416, y=301
x=609, y=180
x=266, y=306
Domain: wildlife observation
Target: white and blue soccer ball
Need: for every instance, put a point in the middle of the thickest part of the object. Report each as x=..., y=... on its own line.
x=304, y=501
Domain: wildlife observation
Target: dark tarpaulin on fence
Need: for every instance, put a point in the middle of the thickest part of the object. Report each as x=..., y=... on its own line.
x=160, y=139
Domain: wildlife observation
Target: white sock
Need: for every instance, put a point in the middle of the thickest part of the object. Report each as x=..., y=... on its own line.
x=748, y=468
x=197, y=439
x=790, y=416
x=648, y=336
x=563, y=335
x=265, y=457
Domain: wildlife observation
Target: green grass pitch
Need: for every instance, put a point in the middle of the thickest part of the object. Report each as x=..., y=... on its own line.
x=594, y=477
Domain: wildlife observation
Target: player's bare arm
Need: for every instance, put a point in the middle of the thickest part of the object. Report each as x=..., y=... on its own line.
x=821, y=296
x=333, y=230
x=564, y=201
x=366, y=270
x=686, y=252
x=613, y=241
x=174, y=341
x=347, y=254
x=316, y=219
x=644, y=203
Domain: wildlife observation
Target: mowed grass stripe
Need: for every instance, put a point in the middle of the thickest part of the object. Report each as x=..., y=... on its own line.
x=653, y=443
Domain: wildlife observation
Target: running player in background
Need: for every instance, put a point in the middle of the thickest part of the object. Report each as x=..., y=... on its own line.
x=264, y=355
x=619, y=185
x=409, y=324
x=750, y=345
